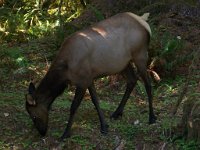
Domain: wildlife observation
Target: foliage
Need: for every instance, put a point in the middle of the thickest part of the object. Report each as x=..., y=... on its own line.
x=12, y=57
x=165, y=50
x=28, y=20
x=191, y=107
x=97, y=13
x=187, y=145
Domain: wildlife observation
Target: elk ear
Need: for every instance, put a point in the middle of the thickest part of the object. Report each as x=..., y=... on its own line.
x=31, y=88
x=30, y=100
x=29, y=97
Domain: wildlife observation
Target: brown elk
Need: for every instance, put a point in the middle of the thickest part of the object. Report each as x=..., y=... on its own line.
x=106, y=48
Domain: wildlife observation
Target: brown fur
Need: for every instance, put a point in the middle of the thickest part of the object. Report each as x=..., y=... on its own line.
x=92, y=51
x=105, y=48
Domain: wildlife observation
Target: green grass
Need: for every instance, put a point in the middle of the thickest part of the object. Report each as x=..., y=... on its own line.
x=18, y=131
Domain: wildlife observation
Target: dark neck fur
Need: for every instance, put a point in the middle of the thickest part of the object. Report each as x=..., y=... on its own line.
x=51, y=86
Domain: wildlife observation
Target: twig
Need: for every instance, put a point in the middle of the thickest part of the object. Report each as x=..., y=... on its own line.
x=144, y=147
x=163, y=146
x=47, y=63
x=181, y=96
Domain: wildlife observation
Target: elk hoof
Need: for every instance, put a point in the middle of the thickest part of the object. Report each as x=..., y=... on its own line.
x=104, y=130
x=64, y=136
x=152, y=119
x=116, y=115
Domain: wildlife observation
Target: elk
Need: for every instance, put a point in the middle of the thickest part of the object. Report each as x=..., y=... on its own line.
x=106, y=48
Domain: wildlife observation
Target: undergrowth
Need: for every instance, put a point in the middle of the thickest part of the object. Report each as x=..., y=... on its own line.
x=132, y=130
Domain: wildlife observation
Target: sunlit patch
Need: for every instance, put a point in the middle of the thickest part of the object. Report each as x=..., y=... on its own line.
x=85, y=35
x=190, y=124
x=100, y=31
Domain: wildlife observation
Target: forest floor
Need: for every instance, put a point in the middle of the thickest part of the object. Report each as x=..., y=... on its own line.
x=132, y=130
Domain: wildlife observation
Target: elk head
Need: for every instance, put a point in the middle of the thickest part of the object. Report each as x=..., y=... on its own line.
x=37, y=111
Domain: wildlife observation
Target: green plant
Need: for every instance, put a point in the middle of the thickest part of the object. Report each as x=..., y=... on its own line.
x=165, y=51
x=167, y=128
x=187, y=145
x=82, y=141
x=12, y=56
x=97, y=13
x=170, y=44
x=26, y=20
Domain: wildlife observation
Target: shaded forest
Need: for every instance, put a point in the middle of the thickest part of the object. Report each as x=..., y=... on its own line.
x=31, y=33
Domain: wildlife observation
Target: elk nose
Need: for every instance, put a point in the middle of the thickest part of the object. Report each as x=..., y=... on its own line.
x=41, y=127
x=42, y=132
